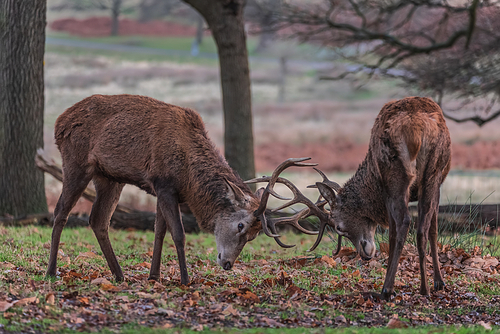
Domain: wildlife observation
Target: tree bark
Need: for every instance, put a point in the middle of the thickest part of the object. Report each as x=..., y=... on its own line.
x=22, y=46
x=225, y=20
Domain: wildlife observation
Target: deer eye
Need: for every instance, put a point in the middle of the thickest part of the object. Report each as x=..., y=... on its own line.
x=240, y=227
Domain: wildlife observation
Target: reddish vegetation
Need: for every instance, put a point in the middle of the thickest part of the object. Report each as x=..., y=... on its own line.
x=345, y=156
x=101, y=26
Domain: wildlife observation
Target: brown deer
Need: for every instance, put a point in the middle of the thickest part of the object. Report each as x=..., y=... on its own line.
x=164, y=150
x=408, y=159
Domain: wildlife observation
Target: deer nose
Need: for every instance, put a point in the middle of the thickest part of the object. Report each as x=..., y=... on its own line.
x=364, y=256
x=227, y=265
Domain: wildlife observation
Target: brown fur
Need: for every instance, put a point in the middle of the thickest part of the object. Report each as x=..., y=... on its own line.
x=158, y=147
x=408, y=159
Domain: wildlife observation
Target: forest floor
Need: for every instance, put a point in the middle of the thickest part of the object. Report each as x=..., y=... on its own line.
x=269, y=287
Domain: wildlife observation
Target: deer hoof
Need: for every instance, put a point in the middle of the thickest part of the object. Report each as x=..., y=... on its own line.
x=439, y=285
x=154, y=278
x=386, y=295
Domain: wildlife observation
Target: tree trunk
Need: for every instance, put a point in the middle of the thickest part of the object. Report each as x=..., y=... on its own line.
x=22, y=46
x=225, y=20
x=115, y=16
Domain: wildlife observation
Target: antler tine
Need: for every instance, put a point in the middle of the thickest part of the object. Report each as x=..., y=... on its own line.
x=320, y=235
x=294, y=221
x=284, y=165
x=271, y=191
x=260, y=213
x=334, y=185
x=277, y=239
x=339, y=246
x=265, y=227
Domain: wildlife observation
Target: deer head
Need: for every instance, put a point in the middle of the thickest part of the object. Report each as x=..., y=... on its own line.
x=358, y=229
x=347, y=223
x=236, y=227
x=243, y=225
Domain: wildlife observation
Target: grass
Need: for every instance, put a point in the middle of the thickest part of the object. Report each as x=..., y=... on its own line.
x=422, y=330
x=208, y=47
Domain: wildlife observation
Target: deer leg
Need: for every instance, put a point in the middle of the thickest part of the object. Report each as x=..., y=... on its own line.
x=422, y=238
x=160, y=231
x=169, y=205
x=428, y=202
x=392, y=241
x=108, y=194
x=433, y=232
x=401, y=216
x=75, y=181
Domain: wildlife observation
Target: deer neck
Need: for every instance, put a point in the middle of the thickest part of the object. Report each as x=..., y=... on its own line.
x=363, y=193
x=206, y=191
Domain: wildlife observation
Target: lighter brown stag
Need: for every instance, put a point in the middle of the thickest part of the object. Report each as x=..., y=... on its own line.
x=408, y=159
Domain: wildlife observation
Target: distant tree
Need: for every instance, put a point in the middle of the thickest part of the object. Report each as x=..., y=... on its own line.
x=263, y=14
x=443, y=48
x=22, y=46
x=225, y=20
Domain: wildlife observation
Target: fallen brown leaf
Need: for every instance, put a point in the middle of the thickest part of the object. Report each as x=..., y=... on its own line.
x=230, y=310
x=50, y=298
x=100, y=280
x=485, y=325
x=26, y=301
x=88, y=255
x=396, y=323
x=329, y=261
x=4, y=306
x=109, y=287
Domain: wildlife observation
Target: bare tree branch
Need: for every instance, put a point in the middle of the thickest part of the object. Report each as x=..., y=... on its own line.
x=476, y=119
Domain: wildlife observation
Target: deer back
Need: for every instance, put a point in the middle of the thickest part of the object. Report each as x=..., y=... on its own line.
x=411, y=131
x=142, y=141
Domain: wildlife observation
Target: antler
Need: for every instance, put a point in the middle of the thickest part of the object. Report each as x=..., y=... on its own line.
x=335, y=186
x=315, y=209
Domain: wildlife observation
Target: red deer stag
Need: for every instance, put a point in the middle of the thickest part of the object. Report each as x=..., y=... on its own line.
x=408, y=159
x=164, y=150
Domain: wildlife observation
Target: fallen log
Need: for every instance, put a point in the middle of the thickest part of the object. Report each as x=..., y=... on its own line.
x=458, y=218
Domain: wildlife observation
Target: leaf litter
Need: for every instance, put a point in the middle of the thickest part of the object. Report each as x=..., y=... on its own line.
x=301, y=291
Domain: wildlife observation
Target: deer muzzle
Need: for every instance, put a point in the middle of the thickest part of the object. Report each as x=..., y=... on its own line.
x=366, y=249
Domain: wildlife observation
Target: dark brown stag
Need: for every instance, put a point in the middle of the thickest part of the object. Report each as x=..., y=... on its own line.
x=164, y=150
x=408, y=159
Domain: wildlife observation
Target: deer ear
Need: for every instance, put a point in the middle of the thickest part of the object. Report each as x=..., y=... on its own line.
x=234, y=193
x=327, y=193
x=259, y=193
